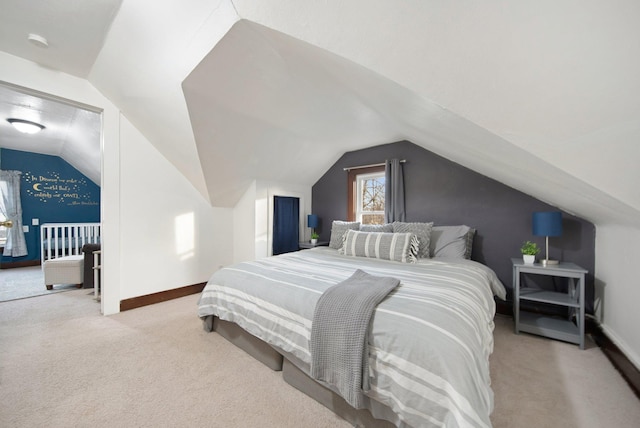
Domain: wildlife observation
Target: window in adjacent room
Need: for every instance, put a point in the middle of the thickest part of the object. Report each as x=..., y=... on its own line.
x=366, y=195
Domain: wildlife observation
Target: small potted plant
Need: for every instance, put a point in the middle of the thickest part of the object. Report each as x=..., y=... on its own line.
x=314, y=238
x=529, y=250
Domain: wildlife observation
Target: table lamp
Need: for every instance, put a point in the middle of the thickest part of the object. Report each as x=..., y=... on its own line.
x=312, y=222
x=547, y=224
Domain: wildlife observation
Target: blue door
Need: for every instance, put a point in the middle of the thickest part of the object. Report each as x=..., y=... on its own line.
x=286, y=221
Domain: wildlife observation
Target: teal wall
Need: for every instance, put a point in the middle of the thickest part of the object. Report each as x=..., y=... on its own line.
x=52, y=191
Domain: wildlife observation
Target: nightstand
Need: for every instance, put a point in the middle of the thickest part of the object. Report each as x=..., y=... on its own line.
x=573, y=300
x=307, y=245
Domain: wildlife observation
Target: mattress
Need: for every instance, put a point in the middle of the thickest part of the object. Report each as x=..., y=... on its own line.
x=429, y=340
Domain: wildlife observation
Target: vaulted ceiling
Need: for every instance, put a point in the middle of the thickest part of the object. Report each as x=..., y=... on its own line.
x=541, y=95
x=74, y=31
x=72, y=132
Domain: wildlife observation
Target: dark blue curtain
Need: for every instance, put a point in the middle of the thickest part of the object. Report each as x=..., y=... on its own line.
x=286, y=221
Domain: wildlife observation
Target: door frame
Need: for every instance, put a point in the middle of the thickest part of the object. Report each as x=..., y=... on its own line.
x=301, y=214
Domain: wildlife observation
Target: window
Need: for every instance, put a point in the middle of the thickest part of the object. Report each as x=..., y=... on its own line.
x=370, y=198
x=366, y=195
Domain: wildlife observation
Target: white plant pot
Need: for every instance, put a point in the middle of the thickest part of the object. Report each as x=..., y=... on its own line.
x=529, y=259
x=314, y=241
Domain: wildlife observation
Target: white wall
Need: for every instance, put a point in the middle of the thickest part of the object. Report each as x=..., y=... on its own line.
x=253, y=218
x=170, y=235
x=265, y=191
x=27, y=74
x=141, y=194
x=618, y=287
x=244, y=226
x=150, y=49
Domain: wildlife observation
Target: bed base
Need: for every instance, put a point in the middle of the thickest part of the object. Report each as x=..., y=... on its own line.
x=296, y=377
x=329, y=399
x=253, y=346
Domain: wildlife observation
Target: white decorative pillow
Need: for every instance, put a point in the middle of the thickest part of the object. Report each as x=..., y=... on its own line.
x=399, y=247
x=451, y=241
x=421, y=230
x=338, y=229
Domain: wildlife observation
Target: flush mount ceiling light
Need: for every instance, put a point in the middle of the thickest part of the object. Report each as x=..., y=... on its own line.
x=38, y=40
x=26, y=126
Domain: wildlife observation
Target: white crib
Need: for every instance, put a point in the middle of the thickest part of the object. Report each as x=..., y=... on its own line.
x=66, y=239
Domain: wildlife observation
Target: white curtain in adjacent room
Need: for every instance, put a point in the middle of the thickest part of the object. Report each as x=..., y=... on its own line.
x=11, y=208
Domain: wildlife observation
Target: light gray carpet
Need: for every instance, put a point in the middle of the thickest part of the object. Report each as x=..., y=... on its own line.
x=64, y=365
x=20, y=283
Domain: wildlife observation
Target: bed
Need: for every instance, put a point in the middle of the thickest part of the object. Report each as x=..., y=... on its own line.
x=429, y=339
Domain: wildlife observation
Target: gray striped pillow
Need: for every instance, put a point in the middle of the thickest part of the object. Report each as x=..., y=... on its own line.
x=399, y=247
x=421, y=230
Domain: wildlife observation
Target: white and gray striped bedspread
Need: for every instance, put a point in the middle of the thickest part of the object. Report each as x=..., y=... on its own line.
x=430, y=339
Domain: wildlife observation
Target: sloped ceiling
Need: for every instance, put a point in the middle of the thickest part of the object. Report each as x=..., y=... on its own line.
x=151, y=48
x=554, y=81
x=539, y=95
x=75, y=31
x=71, y=132
x=266, y=106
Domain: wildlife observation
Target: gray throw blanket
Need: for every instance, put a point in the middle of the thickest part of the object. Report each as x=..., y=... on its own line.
x=338, y=344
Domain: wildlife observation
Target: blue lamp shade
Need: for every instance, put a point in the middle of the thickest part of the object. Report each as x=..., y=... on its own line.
x=547, y=223
x=312, y=221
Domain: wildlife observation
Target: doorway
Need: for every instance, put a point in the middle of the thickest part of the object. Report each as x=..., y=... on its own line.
x=286, y=221
x=73, y=134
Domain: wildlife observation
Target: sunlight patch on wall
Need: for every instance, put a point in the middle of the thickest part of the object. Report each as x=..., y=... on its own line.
x=185, y=235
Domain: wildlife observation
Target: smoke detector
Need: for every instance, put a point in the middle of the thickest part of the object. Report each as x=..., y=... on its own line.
x=38, y=40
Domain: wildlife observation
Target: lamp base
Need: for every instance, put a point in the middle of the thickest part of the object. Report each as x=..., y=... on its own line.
x=546, y=262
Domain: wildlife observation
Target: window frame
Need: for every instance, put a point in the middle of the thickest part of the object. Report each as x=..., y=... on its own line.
x=352, y=194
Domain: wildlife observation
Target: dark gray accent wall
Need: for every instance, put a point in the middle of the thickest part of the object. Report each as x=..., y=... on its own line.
x=446, y=193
